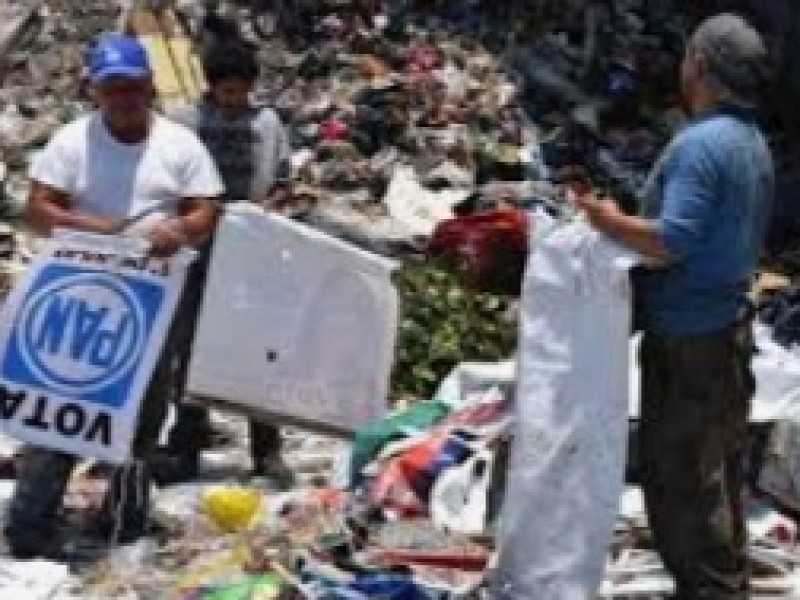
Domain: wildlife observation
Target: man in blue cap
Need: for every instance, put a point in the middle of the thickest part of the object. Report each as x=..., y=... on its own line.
x=120, y=168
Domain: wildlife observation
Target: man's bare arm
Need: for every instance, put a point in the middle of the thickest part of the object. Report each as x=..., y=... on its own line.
x=48, y=208
x=193, y=225
x=635, y=232
x=198, y=217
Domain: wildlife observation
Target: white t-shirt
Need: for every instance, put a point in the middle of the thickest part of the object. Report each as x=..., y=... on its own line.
x=106, y=177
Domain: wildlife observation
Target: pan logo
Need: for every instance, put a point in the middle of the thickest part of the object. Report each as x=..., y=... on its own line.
x=82, y=334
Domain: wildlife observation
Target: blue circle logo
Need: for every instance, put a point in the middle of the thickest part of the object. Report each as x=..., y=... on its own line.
x=81, y=333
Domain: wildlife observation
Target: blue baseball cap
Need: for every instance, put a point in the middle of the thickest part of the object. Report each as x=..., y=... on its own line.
x=117, y=55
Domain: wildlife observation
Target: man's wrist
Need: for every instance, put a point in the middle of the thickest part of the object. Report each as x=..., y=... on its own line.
x=605, y=221
x=181, y=228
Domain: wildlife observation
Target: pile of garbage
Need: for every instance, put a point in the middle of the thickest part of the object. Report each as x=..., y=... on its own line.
x=410, y=516
x=416, y=120
x=414, y=512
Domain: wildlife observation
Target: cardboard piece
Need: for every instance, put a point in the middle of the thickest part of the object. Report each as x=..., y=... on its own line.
x=80, y=335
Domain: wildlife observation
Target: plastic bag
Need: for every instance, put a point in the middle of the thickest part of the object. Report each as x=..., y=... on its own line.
x=392, y=489
x=459, y=499
x=232, y=509
x=567, y=462
x=371, y=438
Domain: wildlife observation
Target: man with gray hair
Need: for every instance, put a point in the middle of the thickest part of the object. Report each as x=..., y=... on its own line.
x=734, y=57
x=705, y=210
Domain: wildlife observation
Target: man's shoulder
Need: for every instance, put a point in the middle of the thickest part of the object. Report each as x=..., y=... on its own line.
x=267, y=118
x=175, y=142
x=181, y=150
x=174, y=130
x=718, y=131
x=707, y=139
x=722, y=149
x=75, y=130
x=185, y=113
x=698, y=134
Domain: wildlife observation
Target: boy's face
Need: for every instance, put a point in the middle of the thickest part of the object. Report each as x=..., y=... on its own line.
x=231, y=96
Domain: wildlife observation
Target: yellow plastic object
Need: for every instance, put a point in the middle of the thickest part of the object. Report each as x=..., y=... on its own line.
x=177, y=72
x=232, y=509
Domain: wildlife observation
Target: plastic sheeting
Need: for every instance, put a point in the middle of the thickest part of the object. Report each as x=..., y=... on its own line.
x=567, y=461
x=295, y=323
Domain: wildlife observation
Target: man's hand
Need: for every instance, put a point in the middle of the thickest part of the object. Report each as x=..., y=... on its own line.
x=166, y=237
x=198, y=217
x=108, y=226
x=49, y=209
x=640, y=234
x=277, y=198
x=602, y=211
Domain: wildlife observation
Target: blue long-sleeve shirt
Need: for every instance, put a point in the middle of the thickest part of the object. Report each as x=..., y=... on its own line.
x=710, y=195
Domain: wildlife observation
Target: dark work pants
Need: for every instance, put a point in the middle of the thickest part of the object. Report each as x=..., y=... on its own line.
x=192, y=427
x=695, y=401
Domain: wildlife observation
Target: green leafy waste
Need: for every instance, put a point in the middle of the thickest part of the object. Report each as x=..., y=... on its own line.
x=444, y=323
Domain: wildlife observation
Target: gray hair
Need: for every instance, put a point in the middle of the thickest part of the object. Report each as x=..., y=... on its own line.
x=736, y=57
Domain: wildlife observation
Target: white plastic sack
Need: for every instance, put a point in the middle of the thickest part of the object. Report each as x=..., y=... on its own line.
x=80, y=334
x=294, y=323
x=567, y=461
